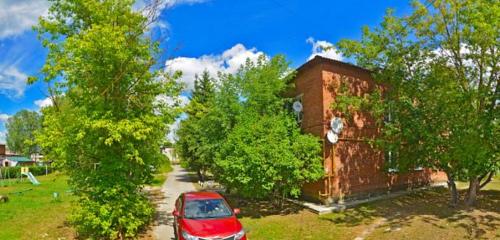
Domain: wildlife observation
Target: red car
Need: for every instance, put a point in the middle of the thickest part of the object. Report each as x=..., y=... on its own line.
x=206, y=216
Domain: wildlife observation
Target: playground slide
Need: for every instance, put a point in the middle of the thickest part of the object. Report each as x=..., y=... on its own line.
x=32, y=178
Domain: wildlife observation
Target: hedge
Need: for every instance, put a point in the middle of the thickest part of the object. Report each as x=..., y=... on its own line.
x=15, y=172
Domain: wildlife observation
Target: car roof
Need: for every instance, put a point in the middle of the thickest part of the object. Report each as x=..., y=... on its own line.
x=202, y=195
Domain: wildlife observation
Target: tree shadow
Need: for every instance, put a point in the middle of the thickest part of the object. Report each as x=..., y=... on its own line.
x=261, y=208
x=431, y=207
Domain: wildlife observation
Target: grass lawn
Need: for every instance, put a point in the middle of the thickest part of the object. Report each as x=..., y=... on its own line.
x=420, y=215
x=34, y=214
x=161, y=176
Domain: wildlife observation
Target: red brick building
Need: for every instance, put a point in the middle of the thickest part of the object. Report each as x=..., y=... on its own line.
x=352, y=167
x=3, y=149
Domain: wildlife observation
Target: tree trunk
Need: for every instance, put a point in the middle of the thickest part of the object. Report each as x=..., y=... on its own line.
x=201, y=178
x=488, y=180
x=453, y=190
x=470, y=200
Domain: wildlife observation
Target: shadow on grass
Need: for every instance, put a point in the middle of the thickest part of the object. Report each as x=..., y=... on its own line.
x=431, y=207
x=428, y=207
x=261, y=208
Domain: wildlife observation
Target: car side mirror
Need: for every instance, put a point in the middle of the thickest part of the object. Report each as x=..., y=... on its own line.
x=175, y=213
x=236, y=211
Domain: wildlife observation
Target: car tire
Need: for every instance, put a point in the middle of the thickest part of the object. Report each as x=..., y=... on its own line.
x=176, y=235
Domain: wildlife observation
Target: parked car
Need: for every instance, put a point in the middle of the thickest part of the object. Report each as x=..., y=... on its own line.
x=206, y=216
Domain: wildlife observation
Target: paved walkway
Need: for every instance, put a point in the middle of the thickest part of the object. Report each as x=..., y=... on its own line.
x=178, y=181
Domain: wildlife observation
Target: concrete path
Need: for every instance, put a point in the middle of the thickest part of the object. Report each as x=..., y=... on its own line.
x=178, y=181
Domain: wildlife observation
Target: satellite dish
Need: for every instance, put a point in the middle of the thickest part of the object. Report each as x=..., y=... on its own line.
x=297, y=106
x=332, y=137
x=336, y=125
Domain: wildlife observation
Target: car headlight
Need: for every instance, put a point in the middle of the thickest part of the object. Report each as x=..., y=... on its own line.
x=239, y=235
x=187, y=236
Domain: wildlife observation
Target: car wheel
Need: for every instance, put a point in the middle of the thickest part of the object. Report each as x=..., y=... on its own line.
x=176, y=235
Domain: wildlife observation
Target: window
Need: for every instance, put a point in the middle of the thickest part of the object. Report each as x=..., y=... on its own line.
x=206, y=208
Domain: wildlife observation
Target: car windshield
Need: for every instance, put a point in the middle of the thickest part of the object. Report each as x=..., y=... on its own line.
x=206, y=208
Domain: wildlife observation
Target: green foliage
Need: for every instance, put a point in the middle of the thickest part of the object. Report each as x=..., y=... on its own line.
x=116, y=212
x=107, y=128
x=21, y=130
x=15, y=172
x=243, y=134
x=194, y=132
x=440, y=68
x=266, y=155
x=161, y=173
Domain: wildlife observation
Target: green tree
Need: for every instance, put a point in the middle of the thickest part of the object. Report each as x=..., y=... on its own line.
x=192, y=145
x=21, y=130
x=264, y=153
x=439, y=67
x=107, y=129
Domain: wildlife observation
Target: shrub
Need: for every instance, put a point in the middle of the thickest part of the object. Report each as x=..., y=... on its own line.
x=15, y=172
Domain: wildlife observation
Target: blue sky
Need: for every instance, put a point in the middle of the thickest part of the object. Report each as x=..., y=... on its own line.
x=217, y=35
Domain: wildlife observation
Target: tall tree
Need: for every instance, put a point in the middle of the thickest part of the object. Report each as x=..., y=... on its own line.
x=192, y=133
x=21, y=130
x=107, y=129
x=440, y=68
x=264, y=153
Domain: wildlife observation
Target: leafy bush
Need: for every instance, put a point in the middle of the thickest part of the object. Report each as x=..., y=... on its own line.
x=114, y=214
x=267, y=156
x=245, y=136
x=15, y=172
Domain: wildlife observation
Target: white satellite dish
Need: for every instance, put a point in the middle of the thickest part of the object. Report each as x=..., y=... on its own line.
x=336, y=125
x=297, y=106
x=332, y=137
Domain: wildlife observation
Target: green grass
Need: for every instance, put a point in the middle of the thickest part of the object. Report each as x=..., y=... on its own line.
x=493, y=185
x=34, y=214
x=419, y=215
x=161, y=176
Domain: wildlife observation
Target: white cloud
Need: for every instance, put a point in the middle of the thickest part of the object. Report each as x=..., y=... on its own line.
x=46, y=102
x=12, y=81
x=324, y=49
x=3, y=136
x=17, y=16
x=172, y=134
x=227, y=62
x=3, y=117
x=180, y=101
x=141, y=4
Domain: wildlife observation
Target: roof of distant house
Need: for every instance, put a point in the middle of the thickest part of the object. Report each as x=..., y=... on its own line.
x=18, y=159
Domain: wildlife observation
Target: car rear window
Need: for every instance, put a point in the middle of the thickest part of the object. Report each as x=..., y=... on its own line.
x=206, y=208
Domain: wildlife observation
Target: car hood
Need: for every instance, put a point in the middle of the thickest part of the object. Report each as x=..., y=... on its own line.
x=221, y=227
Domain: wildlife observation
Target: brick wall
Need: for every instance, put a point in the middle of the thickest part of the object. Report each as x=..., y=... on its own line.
x=2, y=149
x=352, y=166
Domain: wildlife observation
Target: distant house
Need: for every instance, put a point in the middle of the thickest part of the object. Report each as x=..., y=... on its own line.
x=3, y=150
x=352, y=167
x=15, y=161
